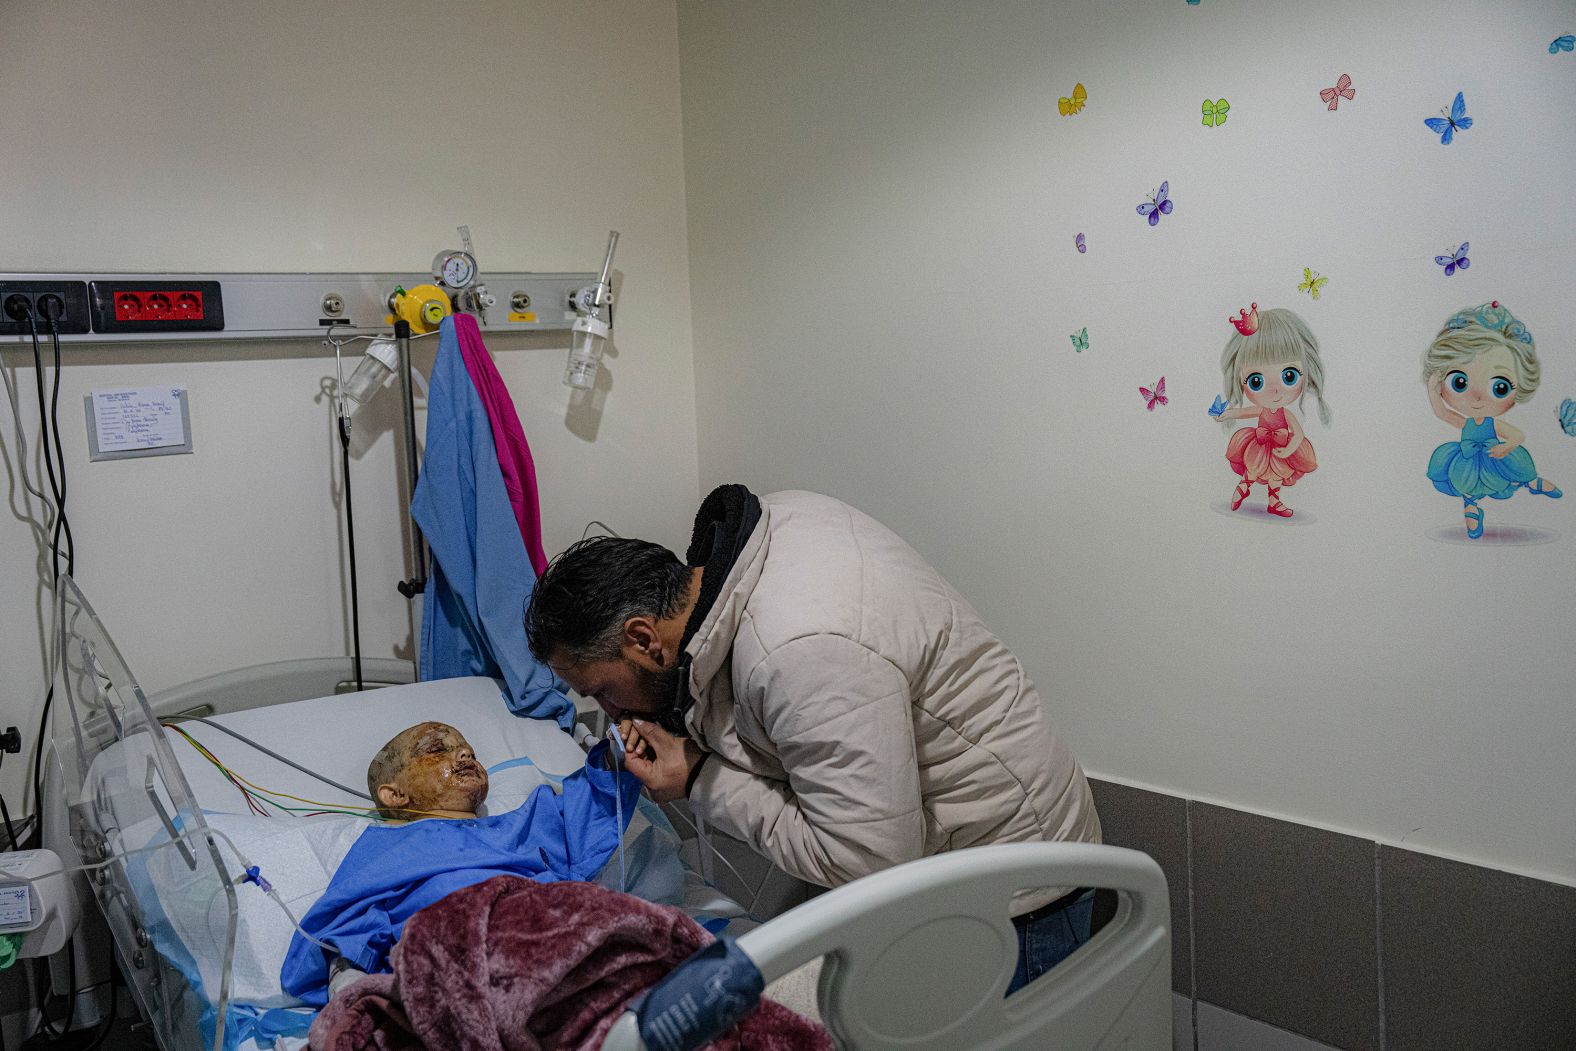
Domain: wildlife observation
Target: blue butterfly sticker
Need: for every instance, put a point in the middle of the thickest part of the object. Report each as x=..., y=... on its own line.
x=1456, y=120
x=1568, y=416
x=1218, y=407
x=1457, y=260
x=1564, y=43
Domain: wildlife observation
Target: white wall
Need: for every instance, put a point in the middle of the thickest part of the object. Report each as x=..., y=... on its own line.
x=304, y=136
x=882, y=204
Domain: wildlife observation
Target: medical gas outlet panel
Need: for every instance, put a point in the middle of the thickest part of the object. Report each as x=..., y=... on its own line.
x=160, y=308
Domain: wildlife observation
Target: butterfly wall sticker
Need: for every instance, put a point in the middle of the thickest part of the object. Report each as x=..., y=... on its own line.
x=1215, y=113
x=1456, y=120
x=1218, y=406
x=1567, y=414
x=1156, y=396
x=1069, y=106
x=1312, y=283
x=1343, y=90
x=1079, y=241
x=1159, y=204
x=1563, y=43
x=1457, y=260
x=1081, y=340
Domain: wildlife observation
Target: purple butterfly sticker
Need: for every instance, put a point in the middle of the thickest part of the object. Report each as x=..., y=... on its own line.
x=1457, y=260
x=1079, y=241
x=1158, y=204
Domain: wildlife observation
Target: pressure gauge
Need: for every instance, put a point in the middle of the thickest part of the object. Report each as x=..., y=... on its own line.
x=455, y=269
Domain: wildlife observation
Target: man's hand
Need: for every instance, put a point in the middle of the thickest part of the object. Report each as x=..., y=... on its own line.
x=663, y=765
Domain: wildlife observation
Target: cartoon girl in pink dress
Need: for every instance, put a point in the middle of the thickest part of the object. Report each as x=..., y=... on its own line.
x=1271, y=362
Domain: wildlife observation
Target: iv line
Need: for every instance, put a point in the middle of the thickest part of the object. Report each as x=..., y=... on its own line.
x=249, y=874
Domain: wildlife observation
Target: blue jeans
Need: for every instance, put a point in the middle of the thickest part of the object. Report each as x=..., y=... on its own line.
x=1046, y=940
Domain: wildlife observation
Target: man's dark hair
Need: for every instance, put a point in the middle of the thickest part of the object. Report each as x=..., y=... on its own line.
x=581, y=603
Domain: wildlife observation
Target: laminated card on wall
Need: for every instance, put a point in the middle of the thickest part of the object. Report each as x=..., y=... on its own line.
x=138, y=421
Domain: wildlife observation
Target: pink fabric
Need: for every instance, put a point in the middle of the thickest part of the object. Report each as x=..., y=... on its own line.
x=514, y=965
x=514, y=455
x=1250, y=451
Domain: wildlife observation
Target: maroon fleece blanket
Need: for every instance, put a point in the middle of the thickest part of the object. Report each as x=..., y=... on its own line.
x=513, y=965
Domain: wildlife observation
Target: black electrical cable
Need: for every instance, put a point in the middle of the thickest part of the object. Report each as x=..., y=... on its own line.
x=5, y=812
x=114, y=1002
x=45, y=1026
x=47, y=422
x=61, y=521
x=114, y=1012
x=350, y=541
x=275, y=755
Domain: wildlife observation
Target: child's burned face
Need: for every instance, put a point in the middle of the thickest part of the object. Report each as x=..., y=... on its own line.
x=428, y=767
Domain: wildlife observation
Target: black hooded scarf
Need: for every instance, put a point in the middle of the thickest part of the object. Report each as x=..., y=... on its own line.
x=722, y=527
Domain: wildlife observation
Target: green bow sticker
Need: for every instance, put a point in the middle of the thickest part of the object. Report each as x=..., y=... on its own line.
x=1215, y=113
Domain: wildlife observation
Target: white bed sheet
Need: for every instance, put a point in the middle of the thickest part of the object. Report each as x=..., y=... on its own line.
x=338, y=736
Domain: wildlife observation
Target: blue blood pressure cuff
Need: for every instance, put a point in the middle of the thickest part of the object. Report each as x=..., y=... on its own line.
x=701, y=999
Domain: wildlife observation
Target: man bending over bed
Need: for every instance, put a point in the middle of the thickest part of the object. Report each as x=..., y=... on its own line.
x=430, y=772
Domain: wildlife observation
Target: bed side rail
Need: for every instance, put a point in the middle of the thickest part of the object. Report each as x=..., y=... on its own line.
x=919, y=957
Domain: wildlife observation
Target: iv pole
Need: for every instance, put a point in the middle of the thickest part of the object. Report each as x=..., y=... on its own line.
x=418, y=545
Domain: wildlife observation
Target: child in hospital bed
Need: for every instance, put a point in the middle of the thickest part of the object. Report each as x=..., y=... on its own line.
x=428, y=780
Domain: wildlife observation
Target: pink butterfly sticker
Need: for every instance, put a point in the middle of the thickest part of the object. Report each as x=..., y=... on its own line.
x=1343, y=90
x=1156, y=396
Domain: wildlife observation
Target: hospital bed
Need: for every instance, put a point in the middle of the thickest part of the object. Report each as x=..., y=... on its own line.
x=916, y=957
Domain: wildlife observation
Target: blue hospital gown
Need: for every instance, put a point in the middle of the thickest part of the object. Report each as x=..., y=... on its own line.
x=1465, y=468
x=393, y=872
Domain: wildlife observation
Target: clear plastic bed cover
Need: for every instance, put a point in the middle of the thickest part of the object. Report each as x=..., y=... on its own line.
x=131, y=806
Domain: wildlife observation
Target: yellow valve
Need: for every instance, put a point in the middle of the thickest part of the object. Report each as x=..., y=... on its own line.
x=424, y=306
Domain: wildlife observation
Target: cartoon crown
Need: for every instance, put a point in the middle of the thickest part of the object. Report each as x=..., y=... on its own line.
x=1248, y=323
x=1493, y=317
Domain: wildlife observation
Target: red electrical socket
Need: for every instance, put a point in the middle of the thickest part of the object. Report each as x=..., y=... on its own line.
x=176, y=305
x=156, y=306
x=128, y=306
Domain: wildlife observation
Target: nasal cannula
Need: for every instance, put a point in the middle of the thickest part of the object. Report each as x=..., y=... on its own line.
x=616, y=750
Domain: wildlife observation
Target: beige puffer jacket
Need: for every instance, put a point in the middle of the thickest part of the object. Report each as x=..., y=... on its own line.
x=858, y=712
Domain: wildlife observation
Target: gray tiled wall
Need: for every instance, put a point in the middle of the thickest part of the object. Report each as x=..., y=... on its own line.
x=1347, y=943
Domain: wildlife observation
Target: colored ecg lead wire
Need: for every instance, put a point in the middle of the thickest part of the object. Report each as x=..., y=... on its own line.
x=252, y=792
x=259, y=793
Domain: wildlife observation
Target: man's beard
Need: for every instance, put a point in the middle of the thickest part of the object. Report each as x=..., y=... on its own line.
x=660, y=689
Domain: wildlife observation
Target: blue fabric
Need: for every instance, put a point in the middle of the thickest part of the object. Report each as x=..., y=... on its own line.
x=392, y=872
x=1047, y=941
x=242, y=1021
x=265, y=1025
x=1465, y=468
x=473, y=617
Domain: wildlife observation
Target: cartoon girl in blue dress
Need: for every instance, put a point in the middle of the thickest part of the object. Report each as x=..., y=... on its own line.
x=1483, y=363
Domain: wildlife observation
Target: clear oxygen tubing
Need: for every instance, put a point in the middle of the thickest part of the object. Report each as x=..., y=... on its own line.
x=616, y=756
x=704, y=845
x=249, y=873
x=706, y=849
